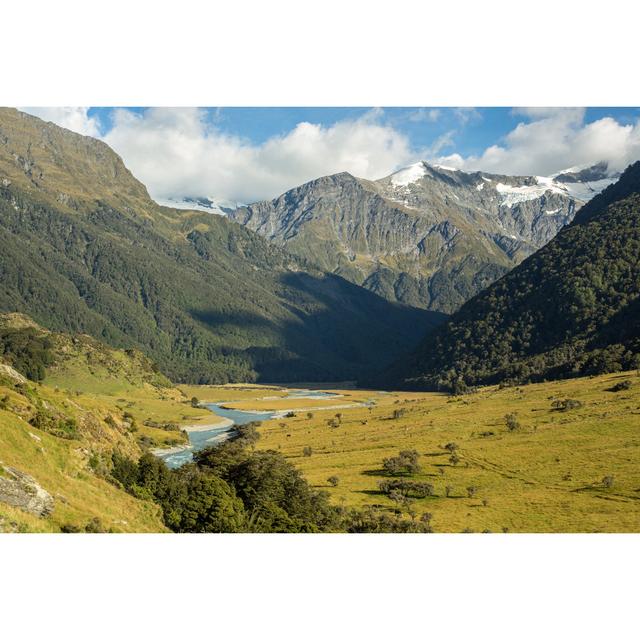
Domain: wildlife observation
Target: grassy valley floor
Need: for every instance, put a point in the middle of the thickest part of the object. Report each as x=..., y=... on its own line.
x=574, y=470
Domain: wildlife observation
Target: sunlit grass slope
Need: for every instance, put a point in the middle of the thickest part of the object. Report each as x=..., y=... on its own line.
x=545, y=476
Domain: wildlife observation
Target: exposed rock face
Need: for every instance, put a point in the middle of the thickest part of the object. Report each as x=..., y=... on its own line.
x=10, y=372
x=20, y=490
x=427, y=236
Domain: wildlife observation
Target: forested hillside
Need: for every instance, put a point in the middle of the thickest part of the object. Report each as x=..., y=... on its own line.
x=84, y=249
x=573, y=308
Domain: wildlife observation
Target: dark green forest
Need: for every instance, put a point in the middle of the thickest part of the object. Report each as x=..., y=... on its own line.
x=571, y=309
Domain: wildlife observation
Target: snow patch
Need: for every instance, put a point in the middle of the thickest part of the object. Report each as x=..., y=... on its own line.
x=586, y=190
x=208, y=205
x=513, y=195
x=409, y=174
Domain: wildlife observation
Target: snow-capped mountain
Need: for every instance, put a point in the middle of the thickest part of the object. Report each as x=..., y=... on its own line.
x=208, y=205
x=427, y=235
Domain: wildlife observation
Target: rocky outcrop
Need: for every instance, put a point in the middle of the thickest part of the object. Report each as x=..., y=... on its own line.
x=20, y=490
x=9, y=372
x=427, y=236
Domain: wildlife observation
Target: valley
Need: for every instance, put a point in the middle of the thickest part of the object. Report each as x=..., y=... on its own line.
x=544, y=476
x=461, y=350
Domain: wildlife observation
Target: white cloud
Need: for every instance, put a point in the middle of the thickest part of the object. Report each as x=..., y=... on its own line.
x=74, y=118
x=177, y=152
x=183, y=152
x=553, y=139
x=425, y=115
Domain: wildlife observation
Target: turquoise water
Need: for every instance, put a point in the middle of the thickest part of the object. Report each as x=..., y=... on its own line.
x=202, y=439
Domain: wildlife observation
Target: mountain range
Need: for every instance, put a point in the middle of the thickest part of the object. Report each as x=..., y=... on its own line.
x=428, y=236
x=571, y=309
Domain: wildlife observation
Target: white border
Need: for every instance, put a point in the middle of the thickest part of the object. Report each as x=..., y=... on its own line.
x=335, y=52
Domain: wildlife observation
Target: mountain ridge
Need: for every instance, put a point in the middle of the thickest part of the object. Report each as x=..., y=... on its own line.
x=427, y=235
x=570, y=309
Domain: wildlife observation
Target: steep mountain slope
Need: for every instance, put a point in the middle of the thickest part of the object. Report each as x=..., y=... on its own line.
x=572, y=308
x=84, y=249
x=427, y=235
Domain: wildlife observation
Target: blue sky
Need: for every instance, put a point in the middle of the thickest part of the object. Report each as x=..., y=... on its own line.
x=475, y=128
x=246, y=154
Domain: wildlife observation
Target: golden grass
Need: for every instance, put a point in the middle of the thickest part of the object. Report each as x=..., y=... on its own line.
x=546, y=476
x=60, y=466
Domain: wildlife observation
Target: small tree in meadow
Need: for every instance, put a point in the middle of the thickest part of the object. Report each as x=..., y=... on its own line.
x=607, y=482
x=511, y=421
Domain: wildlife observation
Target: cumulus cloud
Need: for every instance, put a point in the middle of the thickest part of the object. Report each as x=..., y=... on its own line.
x=553, y=139
x=177, y=151
x=74, y=118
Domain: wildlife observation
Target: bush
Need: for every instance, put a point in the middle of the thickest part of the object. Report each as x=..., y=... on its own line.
x=607, y=482
x=333, y=480
x=372, y=521
x=511, y=421
x=406, y=488
x=472, y=491
x=195, y=402
x=95, y=526
x=397, y=414
x=624, y=385
x=307, y=452
x=566, y=405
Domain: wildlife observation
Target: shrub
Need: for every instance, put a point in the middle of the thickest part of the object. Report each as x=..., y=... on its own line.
x=307, y=452
x=472, y=491
x=195, y=402
x=406, y=488
x=624, y=385
x=511, y=421
x=310, y=415
x=566, y=405
x=451, y=446
x=333, y=480
x=372, y=521
x=397, y=414
x=95, y=526
x=607, y=482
